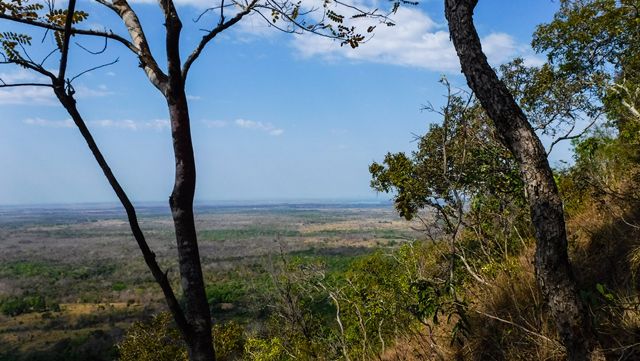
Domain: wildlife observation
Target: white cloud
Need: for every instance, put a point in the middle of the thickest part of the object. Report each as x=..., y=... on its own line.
x=415, y=41
x=32, y=95
x=193, y=97
x=27, y=95
x=155, y=124
x=37, y=95
x=20, y=75
x=265, y=127
x=215, y=123
x=67, y=123
x=82, y=91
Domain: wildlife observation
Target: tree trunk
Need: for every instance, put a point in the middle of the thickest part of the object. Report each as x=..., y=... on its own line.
x=200, y=342
x=553, y=270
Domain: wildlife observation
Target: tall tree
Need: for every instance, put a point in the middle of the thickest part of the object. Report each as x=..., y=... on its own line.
x=553, y=269
x=194, y=318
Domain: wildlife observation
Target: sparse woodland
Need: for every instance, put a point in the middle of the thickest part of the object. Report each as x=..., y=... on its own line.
x=512, y=258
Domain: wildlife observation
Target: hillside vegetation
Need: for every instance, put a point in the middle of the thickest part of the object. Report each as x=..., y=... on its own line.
x=467, y=289
x=457, y=282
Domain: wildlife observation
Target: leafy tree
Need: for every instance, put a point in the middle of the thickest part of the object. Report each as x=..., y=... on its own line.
x=553, y=269
x=194, y=319
x=466, y=179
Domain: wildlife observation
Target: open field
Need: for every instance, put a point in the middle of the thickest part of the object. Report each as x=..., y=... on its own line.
x=72, y=278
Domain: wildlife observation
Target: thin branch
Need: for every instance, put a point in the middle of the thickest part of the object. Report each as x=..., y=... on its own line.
x=65, y=42
x=517, y=325
x=73, y=31
x=568, y=135
x=5, y=85
x=108, y=4
x=203, y=13
x=150, y=258
x=92, y=69
x=35, y=67
x=24, y=50
x=47, y=57
x=104, y=48
x=221, y=14
x=213, y=33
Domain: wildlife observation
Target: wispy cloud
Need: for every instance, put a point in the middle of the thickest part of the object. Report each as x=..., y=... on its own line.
x=265, y=127
x=31, y=95
x=155, y=124
x=35, y=95
x=20, y=75
x=83, y=91
x=215, y=123
x=67, y=123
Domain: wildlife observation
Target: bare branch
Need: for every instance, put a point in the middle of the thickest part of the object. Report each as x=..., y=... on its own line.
x=213, y=8
x=65, y=43
x=518, y=326
x=47, y=57
x=104, y=48
x=74, y=31
x=150, y=258
x=29, y=65
x=5, y=85
x=213, y=33
x=569, y=136
x=108, y=4
x=92, y=69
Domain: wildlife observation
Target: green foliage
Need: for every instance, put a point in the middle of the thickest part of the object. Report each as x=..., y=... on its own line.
x=597, y=40
x=586, y=35
x=225, y=292
x=257, y=349
x=155, y=340
x=556, y=103
x=457, y=160
x=53, y=271
x=158, y=340
x=361, y=310
x=119, y=286
x=17, y=305
x=229, y=340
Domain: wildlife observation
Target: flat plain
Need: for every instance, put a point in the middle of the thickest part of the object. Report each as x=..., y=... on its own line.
x=72, y=278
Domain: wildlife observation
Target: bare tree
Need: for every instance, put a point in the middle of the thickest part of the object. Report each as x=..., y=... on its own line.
x=553, y=269
x=194, y=319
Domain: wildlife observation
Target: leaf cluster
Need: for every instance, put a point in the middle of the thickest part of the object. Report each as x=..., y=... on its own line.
x=13, y=44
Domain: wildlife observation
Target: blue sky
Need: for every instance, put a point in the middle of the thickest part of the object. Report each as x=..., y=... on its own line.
x=275, y=116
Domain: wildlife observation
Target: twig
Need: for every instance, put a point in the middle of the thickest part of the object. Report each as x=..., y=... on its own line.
x=94, y=68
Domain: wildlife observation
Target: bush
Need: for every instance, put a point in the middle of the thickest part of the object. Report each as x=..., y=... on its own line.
x=155, y=340
x=14, y=305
